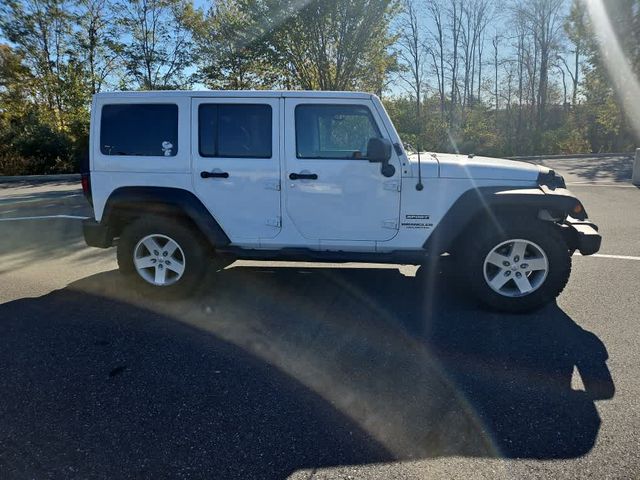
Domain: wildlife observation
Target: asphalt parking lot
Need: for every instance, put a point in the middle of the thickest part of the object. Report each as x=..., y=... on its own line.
x=281, y=370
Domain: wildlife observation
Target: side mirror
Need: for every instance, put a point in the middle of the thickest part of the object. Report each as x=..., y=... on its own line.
x=379, y=150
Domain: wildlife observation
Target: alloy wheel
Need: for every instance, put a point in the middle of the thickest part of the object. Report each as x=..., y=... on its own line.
x=159, y=260
x=516, y=268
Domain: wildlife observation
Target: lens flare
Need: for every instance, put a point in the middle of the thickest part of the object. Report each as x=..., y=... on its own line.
x=617, y=64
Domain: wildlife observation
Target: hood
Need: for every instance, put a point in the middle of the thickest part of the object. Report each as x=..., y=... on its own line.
x=485, y=168
x=480, y=168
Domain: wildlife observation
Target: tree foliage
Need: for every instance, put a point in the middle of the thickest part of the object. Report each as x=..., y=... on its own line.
x=477, y=76
x=325, y=44
x=43, y=97
x=226, y=52
x=158, y=45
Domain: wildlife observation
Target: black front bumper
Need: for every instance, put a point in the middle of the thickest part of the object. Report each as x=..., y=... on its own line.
x=96, y=234
x=584, y=236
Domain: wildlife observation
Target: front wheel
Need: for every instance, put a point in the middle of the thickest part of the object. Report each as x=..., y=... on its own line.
x=518, y=269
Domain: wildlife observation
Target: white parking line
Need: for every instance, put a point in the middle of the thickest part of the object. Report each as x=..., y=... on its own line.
x=31, y=199
x=599, y=184
x=43, y=217
x=617, y=257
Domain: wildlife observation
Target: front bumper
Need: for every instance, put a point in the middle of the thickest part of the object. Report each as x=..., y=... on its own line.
x=96, y=234
x=583, y=236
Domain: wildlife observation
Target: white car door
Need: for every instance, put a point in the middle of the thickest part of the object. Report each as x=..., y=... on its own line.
x=332, y=192
x=236, y=164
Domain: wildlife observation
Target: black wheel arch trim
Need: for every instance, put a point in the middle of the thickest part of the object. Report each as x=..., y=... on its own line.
x=489, y=201
x=126, y=203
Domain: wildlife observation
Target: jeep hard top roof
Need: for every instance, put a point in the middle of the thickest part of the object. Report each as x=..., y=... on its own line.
x=236, y=93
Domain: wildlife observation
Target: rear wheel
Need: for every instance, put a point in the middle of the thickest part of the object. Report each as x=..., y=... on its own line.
x=518, y=269
x=162, y=256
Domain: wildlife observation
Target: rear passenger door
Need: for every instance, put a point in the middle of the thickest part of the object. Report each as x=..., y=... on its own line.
x=236, y=164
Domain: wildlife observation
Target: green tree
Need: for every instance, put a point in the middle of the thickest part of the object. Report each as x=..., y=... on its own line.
x=96, y=41
x=156, y=47
x=412, y=52
x=602, y=113
x=29, y=143
x=41, y=32
x=226, y=54
x=575, y=27
x=15, y=83
x=44, y=96
x=327, y=44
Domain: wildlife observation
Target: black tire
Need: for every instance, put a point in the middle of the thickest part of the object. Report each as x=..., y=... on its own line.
x=197, y=255
x=545, y=235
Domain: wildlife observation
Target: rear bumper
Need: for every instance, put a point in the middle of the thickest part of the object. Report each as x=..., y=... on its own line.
x=96, y=234
x=584, y=236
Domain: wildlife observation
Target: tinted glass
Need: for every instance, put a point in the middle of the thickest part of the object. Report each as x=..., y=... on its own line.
x=333, y=131
x=139, y=129
x=235, y=131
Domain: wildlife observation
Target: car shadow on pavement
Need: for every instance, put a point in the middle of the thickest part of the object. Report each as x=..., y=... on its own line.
x=94, y=388
x=271, y=370
x=532, y=379
x=613, y=169
x=25, y=243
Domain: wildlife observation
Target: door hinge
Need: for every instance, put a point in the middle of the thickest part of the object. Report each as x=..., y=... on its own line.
x=272, y=185
x=393, y=224
x=274, y=222
x=393, y=185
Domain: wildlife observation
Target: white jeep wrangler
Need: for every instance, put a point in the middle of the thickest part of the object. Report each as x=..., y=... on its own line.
x=185, y=181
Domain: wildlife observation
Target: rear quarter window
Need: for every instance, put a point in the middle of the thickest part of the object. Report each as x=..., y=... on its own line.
x=149, y=130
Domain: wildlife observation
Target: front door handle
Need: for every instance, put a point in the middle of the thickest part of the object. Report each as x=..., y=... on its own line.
x=303, y=176
x=214, y=175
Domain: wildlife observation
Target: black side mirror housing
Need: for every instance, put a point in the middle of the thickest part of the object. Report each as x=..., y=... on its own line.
x=379, y=150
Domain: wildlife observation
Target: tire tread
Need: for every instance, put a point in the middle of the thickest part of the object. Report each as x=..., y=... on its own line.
x=539, y=232
x=190, y=240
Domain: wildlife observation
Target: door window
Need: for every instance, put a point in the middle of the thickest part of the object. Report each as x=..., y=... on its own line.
x=234, y=130
x=333, y=131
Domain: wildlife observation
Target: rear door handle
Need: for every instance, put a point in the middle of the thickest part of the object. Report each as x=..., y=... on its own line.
x=214, y=175
x=303, y=176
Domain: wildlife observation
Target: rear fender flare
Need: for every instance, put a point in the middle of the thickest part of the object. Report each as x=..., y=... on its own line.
x=127, y=203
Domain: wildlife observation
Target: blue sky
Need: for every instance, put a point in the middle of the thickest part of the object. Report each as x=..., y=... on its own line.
x=397, y=86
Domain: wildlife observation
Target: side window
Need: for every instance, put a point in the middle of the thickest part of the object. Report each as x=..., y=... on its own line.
x=234, y=130
x=141, y=129
x=333, y=131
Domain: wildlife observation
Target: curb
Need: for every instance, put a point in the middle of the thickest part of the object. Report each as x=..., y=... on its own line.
x=22, y=204
x=70, y=177
x=575, y=155
x=38, y=200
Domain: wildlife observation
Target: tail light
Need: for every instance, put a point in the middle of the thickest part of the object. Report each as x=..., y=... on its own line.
x=85, y=180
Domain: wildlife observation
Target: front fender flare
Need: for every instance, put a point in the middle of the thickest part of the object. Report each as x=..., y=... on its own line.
x=489, y=202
